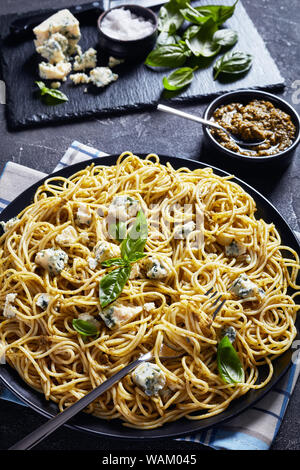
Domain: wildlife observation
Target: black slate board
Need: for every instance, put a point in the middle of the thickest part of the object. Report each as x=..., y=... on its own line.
x=138, y=87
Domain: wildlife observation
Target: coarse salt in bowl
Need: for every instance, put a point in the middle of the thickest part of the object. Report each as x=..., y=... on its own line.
x=127, y=32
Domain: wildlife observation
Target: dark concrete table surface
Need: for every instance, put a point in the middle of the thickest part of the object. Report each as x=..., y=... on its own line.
x=278, y=23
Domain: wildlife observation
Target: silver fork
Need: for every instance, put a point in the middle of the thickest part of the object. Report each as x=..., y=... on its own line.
x=61, y=418
x=214, y=293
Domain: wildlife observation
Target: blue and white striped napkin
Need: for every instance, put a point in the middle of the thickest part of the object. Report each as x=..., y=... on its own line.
x=255, y=428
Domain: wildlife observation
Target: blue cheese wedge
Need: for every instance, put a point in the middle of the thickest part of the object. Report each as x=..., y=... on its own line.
x=79, y=78
x=62, y=22
x=115, y=314
x=43, y=301
x=149, y=377
x=87, y=60
x=123, y=208
x=6, y=226
x=235, y=249
x=67, y=236
x=244, y=288
x=102, y=76
x=54, y=49
x=9, y=310
x=52, y=260
x=59, y=71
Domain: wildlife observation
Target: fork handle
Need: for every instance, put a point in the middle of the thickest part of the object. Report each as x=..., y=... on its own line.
x=61, y=418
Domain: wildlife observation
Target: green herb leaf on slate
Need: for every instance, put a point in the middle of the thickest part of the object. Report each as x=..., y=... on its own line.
x=171, y=55
x=178, y=79
x=169, y=18
x=233, y=63
x=219, y=13
x=225, y=37
x=229, y=365
x=50, y=95
x=203, y=44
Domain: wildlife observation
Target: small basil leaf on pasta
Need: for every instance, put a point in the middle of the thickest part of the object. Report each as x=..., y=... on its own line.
x=134, y=257
x=113, y=262
x=84, y=328
x=229, y=364
x=112, y=285
x=136, y=238
x=117, y=231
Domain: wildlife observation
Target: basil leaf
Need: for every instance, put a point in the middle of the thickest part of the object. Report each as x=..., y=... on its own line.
x=165, y=38
x=219, y=13
x=171, y=55
x=113, y=262
x=84, y=328
x=229, y=364
x=117, y=231
x=112, y=285
x=169, y=18
x=225, y=37
x=233, y=63
x=51, y=96
x=134, y=257
x=179, y=79
x=136, y=238
x=193, y=16
x=191, y=32
x=202, y=44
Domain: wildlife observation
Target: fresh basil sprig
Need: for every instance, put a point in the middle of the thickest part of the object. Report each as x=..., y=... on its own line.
x=50, y=95
x=225, y=37
x=229, y=364
x=84, y=328
x=117, y=231
x=233, y=63
x=132, y=250
x=179, y=78
x=170, y=55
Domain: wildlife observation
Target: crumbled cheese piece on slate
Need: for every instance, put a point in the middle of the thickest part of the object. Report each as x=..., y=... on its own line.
x=67, y=236
x=102, y=76
x=62, y=22
x=117, y=313
x=83, y=215
x=55, y=85
x=52, y=260
x=54, y=48
x=9, y=224
x=149, y=377
x=43, y=301
x=87, y=60
x=113, y=62
x=58, y=71
x=182, y=231
x=79, y=78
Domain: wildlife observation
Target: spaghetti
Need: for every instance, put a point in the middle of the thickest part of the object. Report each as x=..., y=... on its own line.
x=52, y=357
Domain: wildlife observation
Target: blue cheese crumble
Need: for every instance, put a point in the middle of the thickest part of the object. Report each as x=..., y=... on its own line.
x=123, y=208
x=114, y=62
x=83, y=215
x=244, y=288
x=6, y=226
x=230, y=332
x=102, y=76
x=79, y=78
x=52, y=260
x=117, y=313
x=9, y=310
x=155, y=268
x=183, y=230
x=59, y=71
x=54, y=49
x=87, y=60
x=235, y=249
x=149, y=377
x=67, y=236
x=43, y=301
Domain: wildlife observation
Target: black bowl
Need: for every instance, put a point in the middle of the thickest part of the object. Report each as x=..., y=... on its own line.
x=133, y=50
x=282, y=158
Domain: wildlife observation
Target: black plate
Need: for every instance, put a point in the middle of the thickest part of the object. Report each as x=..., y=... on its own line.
x=114, y=428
